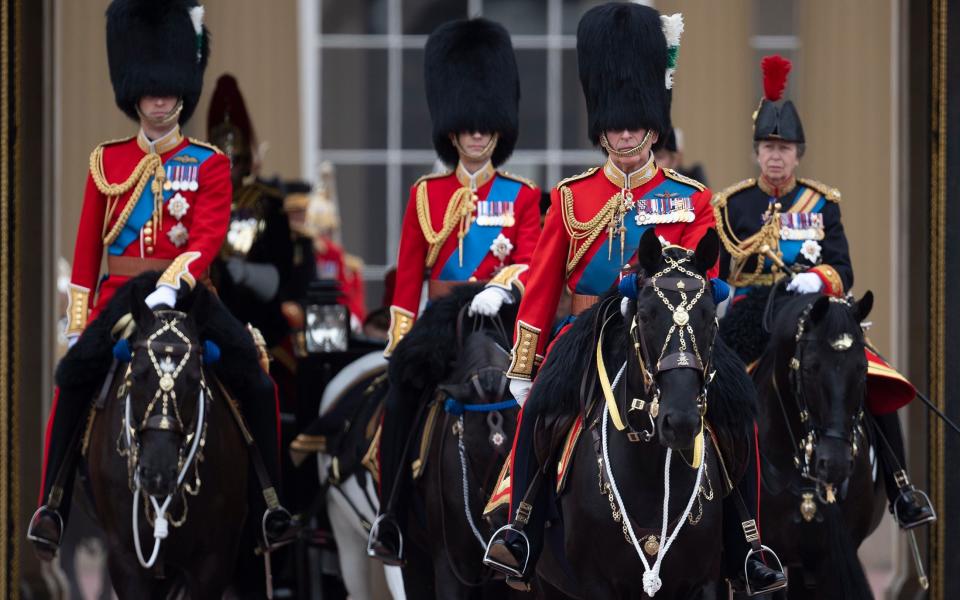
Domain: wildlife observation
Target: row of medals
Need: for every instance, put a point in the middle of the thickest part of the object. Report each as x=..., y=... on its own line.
x=182, y=179
x=494, y=213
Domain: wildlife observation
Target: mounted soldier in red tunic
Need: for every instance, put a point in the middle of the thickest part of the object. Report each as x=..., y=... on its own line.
x=473, y=223
x=154, y=202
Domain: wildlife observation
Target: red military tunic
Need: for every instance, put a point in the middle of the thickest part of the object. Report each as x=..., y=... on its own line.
x=576, y=250
x=182, y=240
x=506, y=206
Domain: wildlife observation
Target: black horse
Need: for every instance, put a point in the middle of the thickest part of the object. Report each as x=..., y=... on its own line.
x=643, y=384
x=167, y=460
x=817, y=471
x=457, y=364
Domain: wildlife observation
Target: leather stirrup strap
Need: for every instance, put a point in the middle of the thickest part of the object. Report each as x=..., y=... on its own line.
x=266, y=485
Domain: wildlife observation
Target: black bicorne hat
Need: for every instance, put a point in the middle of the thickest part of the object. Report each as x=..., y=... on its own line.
x=472, y=84
x=156, y=48
x=772, y=121
x=622, y=57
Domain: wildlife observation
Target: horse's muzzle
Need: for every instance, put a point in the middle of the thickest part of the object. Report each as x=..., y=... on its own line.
x=834, y=460
x=158, y=482
x=678, y=431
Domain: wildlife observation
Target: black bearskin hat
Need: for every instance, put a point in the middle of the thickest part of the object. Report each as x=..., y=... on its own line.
x=472, y=85
x=772, y=122
x=154, y=49
x=622, y=56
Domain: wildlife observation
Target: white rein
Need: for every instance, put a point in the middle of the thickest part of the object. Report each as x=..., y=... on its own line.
x=160, y=524
x=651, y=574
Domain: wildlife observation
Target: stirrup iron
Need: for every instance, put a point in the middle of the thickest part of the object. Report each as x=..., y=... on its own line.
x=496, y=565
x=375, y=530
x=762, y=549
x=912, y=490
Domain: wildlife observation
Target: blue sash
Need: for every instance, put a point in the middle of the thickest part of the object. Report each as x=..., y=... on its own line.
x=603, y=270
x=144, y=208
x=791, y=248
x=476, y=244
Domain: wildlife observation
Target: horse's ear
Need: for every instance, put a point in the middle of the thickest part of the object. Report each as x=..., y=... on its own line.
x=649, y=252
x=198, y=305
x=820, y=308
x=864, y=306
x=707, y=252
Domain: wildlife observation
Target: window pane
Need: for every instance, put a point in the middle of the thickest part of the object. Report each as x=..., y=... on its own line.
x=361, y=192
x=421, y=17
x=416, y=116
x=573, y=10
x=354, y=98
x=532, y=65
x=411, y=173
x=364, y=16
x=520, y=17
x=574, y=108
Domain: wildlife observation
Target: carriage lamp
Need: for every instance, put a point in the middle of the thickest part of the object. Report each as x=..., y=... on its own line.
x=326, y=323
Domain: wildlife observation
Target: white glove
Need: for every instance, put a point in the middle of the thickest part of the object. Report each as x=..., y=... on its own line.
x=163, y=295
x=72, y=339
x=488, y=302
x=805, y=283
x=520, y=388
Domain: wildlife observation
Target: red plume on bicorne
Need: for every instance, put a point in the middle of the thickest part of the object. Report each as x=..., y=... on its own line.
x=775, y=70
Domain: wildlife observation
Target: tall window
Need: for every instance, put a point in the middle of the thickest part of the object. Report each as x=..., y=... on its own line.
x=364, y=108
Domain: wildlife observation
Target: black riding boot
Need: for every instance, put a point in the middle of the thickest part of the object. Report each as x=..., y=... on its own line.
x=67, y=419
x=514, y=549
x=399, y=421
x=910, y=506
x=240, y=371
x=746, y=561
x=258, y=405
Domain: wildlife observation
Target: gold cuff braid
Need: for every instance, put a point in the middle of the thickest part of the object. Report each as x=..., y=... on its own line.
x=179, y=270
x=400, y=323
x=78, y=306
x=508, y=277
x=524, y=358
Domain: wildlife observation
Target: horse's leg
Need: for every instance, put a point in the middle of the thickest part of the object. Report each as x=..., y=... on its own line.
x=355, y=566
x=394, y=577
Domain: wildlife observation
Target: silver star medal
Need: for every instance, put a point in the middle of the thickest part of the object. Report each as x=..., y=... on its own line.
x=811, y=251
x=501, y=247
x=178, y=206
x=178, y=235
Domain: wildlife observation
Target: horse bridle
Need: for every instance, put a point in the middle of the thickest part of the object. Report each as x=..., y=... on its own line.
x=806, y=445
x=691, y=287
x=163, y=410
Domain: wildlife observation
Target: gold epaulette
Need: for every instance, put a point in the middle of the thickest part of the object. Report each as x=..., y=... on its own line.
x=527, y=182
x=671, y=174
x=353, y=263
x=577, y=177
x=830, y=193
x=112, y=142
x=430, y=176
x=206, y=145
x=719, y=199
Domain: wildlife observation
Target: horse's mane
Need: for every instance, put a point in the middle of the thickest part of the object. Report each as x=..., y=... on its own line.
x=84, y=366
x=425, y=357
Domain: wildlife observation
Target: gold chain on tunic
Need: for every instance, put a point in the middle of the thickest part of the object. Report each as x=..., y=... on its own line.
x=609, y=218
x=149, y=166
x=741, y=250
x=459, y=212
